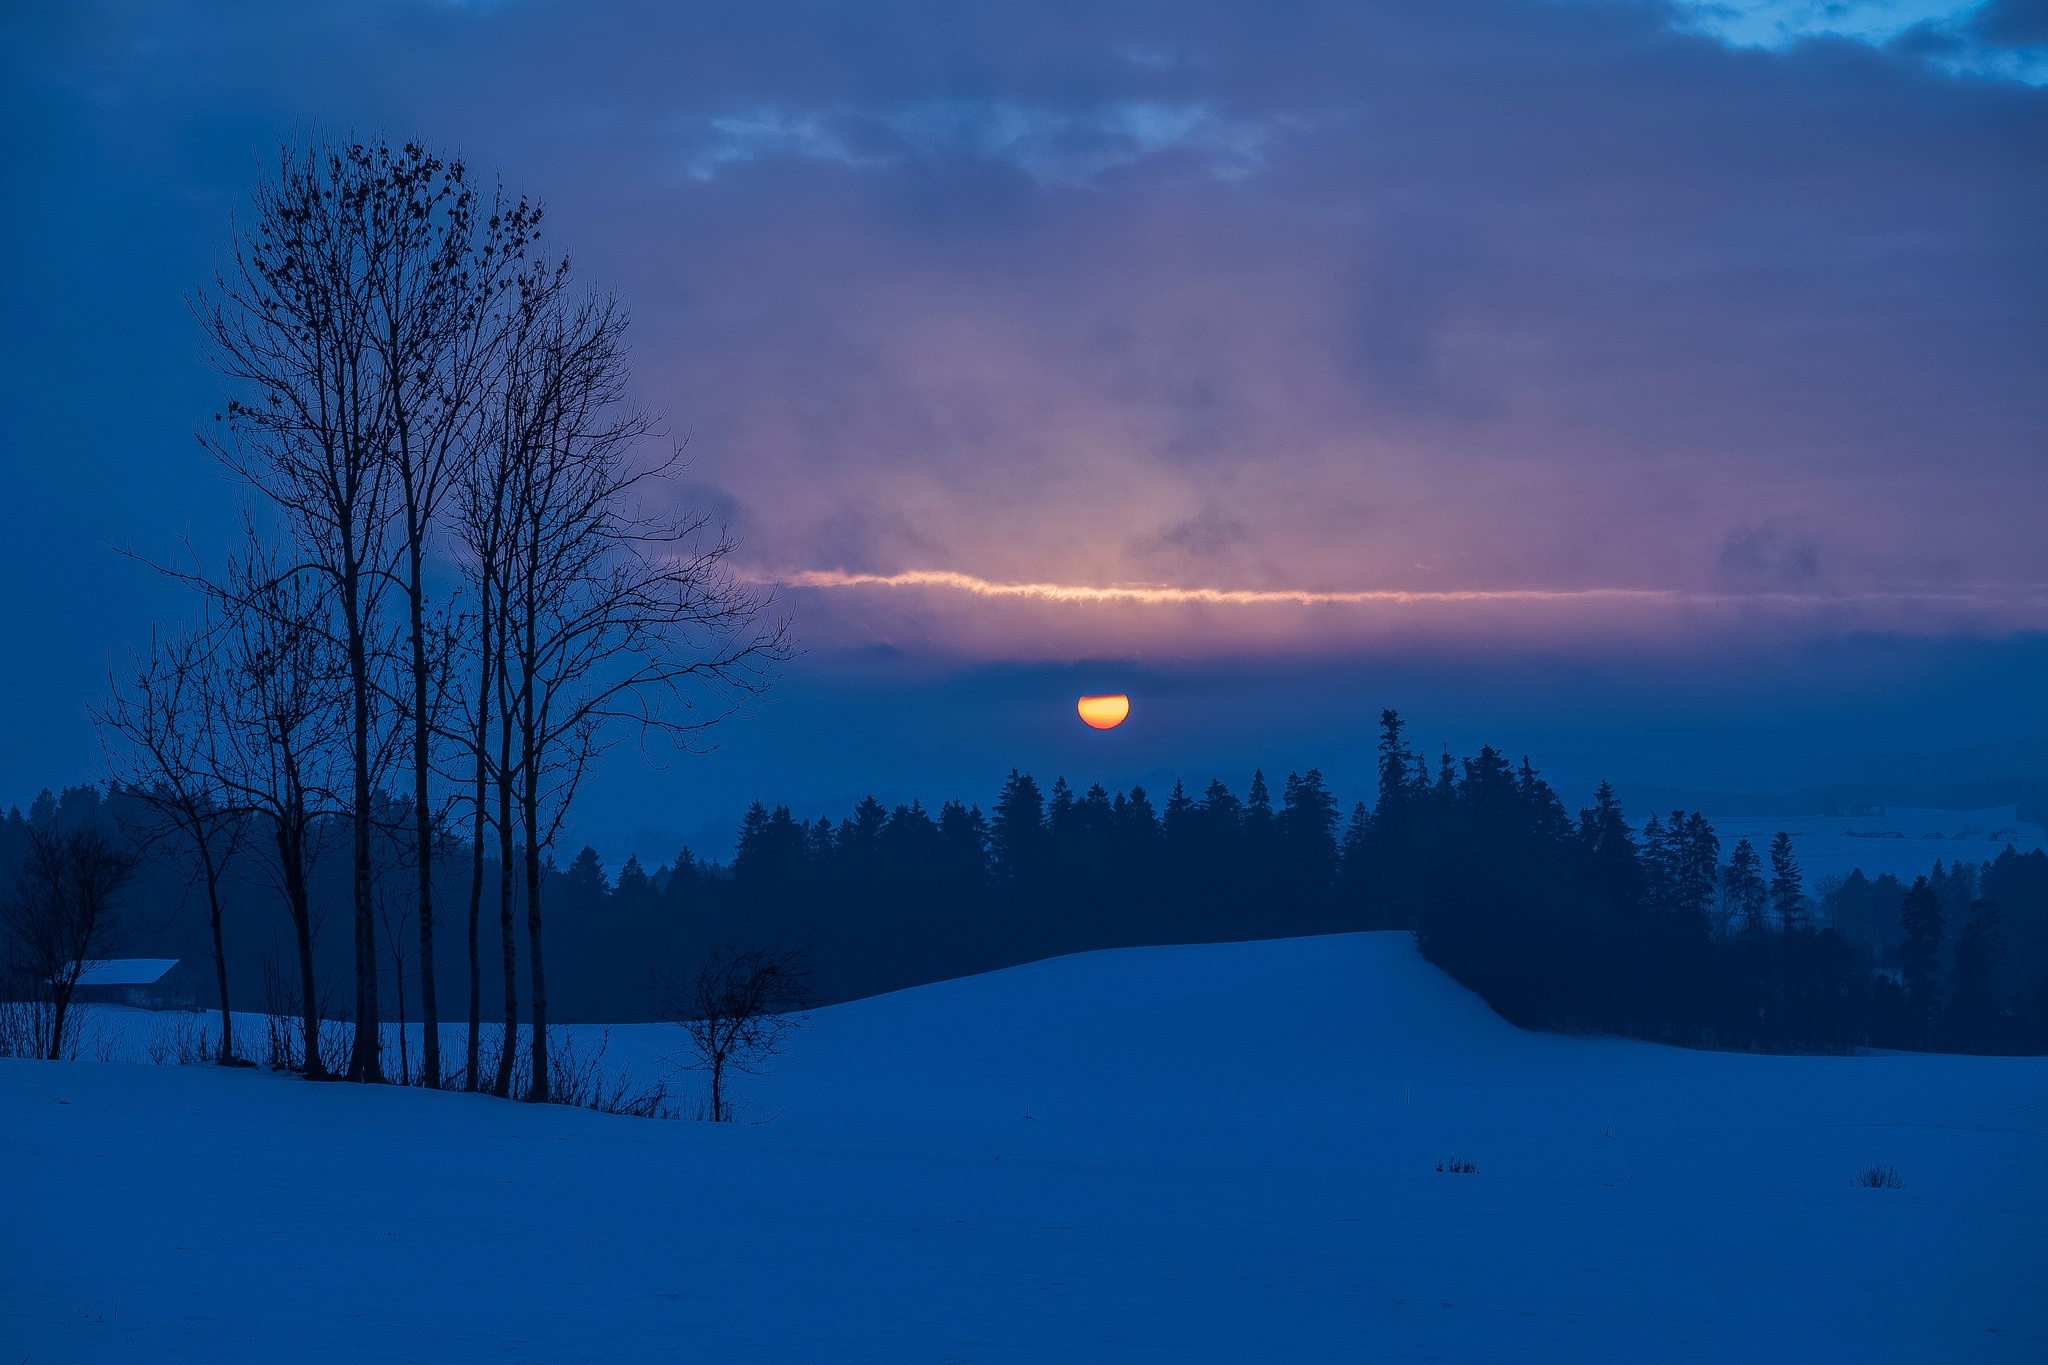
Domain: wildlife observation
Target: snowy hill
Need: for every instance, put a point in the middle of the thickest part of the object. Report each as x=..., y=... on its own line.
x=1217, y=1153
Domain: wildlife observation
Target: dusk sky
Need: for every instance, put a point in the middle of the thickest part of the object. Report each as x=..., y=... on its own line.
x=1658, y=389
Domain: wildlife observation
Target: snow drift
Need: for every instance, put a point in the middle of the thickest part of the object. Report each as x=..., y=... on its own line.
x=1222, y=1152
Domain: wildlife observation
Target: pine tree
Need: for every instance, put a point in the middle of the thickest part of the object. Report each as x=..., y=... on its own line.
x=585, y=875
x=1614, y=868
x=1258, y=802
x=1397, y=768
x=1699, y=868
x=1788, y=893
x=1017, y=829
x=1308, y=834
x=1973, y=999
x=964, y=834
x=1920, y=954
x=633, y=880
x=1059, y=811
x=1743, y=888
x=1657, y=871
x=683, y=884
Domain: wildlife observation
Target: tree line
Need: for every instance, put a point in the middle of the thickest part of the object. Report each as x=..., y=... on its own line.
x=1586, y=921
x=1564, y=921
x=455, y=586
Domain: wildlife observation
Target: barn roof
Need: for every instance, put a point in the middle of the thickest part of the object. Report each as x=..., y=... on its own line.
x=125, y=971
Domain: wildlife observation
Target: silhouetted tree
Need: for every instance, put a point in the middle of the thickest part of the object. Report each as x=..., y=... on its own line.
x=1973, y=1011
x=738, y=1012
x=1920, y=954
x=62, y=917
x=1017, y=834
x=164, y=721
x=294, y=320
x=1743, y=887
x=445, y=262
x=1788, y=892
x=280, y=725
x=609, y=619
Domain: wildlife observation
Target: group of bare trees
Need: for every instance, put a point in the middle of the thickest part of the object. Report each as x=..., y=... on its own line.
x=453, y=593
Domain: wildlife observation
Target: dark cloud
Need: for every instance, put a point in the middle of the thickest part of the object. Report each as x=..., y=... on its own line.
x=1770, y=556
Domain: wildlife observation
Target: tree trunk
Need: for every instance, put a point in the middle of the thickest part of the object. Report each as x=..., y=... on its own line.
x=530, y=757
x=62, y=983
x=423, y=831
x=508, y=1043
x=476, y=859
x=539, y=1092
x=366, y=1062
x=302, y=929
x=476, y=979
x=220, y=954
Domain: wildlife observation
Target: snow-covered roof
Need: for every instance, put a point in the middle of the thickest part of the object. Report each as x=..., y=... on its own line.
x=125, y=971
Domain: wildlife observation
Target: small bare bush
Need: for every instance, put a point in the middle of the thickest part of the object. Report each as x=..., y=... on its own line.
x=284, y=1025
x=581, y=1079
x=18, y=1031
x=179, y=1040
x=1458, y=1166
x=1880, y=1178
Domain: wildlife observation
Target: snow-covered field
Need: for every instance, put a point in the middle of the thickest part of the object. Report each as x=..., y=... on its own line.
x=1218, y=1153
x=1902, y=842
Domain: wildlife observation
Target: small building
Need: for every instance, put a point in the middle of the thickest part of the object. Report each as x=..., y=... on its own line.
x=150, y=983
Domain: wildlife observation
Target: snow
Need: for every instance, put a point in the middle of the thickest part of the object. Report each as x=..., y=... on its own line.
x=1215, y=1153
x=1904, y=842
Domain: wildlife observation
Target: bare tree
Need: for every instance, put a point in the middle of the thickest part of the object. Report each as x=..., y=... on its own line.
x=60, y=919
x=295, y=318
x=486, y=731
x=606, y=620
x=738, y=1012
x=434, y=295
x=282, y=710
x=164, y=718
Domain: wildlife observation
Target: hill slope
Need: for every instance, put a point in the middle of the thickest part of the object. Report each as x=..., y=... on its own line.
x=1229, y=1155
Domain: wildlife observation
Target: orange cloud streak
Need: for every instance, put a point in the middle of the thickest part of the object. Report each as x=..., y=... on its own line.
x=1248, y=597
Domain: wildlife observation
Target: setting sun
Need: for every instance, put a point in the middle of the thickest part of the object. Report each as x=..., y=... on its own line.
x=1105, y=713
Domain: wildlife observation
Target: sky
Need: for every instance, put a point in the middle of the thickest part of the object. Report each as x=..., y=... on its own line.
x=1655, y=388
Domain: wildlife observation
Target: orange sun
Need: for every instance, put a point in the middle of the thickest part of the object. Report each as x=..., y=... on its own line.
x=1105, y=713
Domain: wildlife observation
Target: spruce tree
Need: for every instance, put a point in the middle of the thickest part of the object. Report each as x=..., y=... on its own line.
x=1788, y=893
x=1743, y=888
x=1017, y=830
x=1397, y=768
x=1973, y=1000
x=1920, y=953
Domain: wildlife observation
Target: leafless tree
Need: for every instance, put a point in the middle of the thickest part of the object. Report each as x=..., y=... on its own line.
x=738, y=1012
x=606, y=621
x=62, y=917
x=406, y=353
x=167, y=757
x=435, y=294
x=282, y=710
x=296, y=319
x=485, y=729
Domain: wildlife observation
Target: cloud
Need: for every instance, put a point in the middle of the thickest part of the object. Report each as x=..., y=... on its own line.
x=1969, y=38
x=1769, y=556
x=1052, y=146
x=1425, y=297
